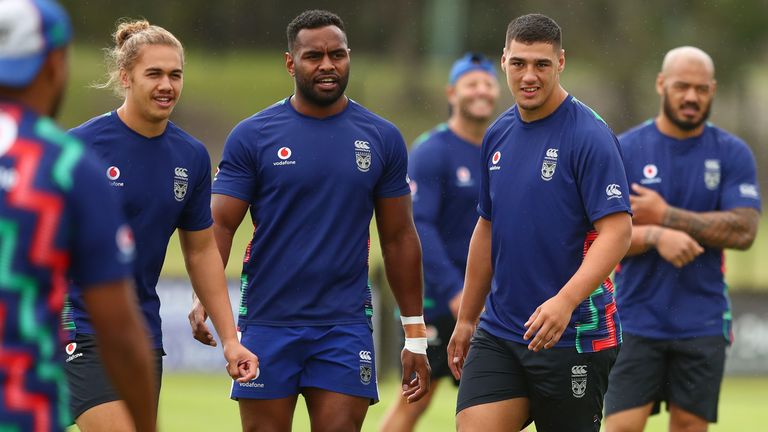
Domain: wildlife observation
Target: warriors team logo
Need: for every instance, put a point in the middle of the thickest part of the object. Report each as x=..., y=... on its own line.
x=363, y=155
x=366, y=372
x=712, y=173
x=549, y=164
x=180, y=183
x=579, y=381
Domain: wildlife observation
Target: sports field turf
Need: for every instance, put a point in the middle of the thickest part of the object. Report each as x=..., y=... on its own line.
x=201, y=403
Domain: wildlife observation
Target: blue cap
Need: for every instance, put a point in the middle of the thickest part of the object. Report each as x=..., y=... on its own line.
x=29, y=30
x=470, y=62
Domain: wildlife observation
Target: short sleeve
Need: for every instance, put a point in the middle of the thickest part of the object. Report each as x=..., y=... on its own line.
x=101, y=242
x=740, y=187
x=236, y=175
x=197, y=210
x=484, y=206
x=393, y=181
x=600, y=174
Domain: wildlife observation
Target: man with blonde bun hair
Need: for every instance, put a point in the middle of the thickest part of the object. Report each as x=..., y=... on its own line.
x=58, y=221
x=695, y=194
x=162, y=176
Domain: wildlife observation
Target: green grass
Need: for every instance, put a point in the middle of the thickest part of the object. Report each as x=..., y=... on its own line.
x=201, y=403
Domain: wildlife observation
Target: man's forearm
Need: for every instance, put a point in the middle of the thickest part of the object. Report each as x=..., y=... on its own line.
x=644, y=237
x=477, y=283
x=402, y=262
x=734, y=229
x=206, y=273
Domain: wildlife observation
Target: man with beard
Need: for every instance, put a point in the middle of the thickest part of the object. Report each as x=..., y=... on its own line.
x=313, y=168
x=444, y=166
x=695, y=194
x=58, y=220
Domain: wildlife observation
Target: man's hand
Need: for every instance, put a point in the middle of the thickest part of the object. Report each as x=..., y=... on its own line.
x=677, y=247
x=200, y=331
x=548, y=322
x=458, y=347
x=648, y=207
x=242, y=365
x=414, y=389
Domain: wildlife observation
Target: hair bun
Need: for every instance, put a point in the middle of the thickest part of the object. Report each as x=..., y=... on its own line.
x=127, y=29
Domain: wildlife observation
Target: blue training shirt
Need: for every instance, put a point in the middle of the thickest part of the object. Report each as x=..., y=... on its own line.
x=311, y=185
x=712, y=172
x=445, y=180
x=544, y=185
x=163, y=183
x=58, y=220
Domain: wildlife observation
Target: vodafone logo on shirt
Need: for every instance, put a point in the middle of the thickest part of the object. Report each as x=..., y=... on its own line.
x=284, y=153
x=495, y=161
x=651, y=174
x=113, y=173
x=71, y=347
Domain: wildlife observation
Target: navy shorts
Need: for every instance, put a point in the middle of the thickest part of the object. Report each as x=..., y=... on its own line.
x=89, y=384
x=683, y=372
x=336, y=358
x=565, y=388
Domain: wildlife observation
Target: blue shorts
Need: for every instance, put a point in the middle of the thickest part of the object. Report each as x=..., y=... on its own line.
x=335, y=358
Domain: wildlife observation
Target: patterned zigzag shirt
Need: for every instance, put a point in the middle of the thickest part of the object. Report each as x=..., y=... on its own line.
x=58, y=220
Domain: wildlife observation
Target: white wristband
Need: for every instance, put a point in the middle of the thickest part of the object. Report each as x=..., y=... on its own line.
x=412, y=319
x=416, y=345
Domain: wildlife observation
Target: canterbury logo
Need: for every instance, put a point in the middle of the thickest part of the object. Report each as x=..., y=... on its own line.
x=362, y=145
x=180, y=172
x=579, y=370
x=365, y=355
x=552, y=153
x=613, y=191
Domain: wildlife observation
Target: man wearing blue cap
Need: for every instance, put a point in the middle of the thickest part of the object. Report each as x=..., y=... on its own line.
x=444, y=166
x=58, y=221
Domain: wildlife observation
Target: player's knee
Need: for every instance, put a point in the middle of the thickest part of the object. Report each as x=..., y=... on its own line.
x=338, y=424
x=681, y=421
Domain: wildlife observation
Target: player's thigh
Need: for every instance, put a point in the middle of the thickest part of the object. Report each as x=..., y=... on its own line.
x=341, y=359
x=335, y=412
x=492, y=373
x=567, y=387
x=695, y=375
x=501, y=416
x=281, y=360
x=637, y=379
x=110, y=416
x=267, y=415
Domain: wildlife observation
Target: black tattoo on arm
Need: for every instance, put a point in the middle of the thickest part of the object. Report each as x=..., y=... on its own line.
x=732, y=229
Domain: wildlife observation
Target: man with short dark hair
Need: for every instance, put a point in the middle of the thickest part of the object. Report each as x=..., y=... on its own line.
x=58, y=221
x=444, y=167
x=313, y=168
x=554, y=221
x=696, y=193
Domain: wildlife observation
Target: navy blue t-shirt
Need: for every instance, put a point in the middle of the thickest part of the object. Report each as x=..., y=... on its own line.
x=712, y=172
x=445, y=180
x=544, y=185
x=311, y=185
x=58, y=220
x=163, y=183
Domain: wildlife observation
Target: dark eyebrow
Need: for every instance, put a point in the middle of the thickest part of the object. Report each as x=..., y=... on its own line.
x=520, y=59
x=157, y=69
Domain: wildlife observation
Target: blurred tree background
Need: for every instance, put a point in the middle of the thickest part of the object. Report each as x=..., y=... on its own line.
x=402, y=49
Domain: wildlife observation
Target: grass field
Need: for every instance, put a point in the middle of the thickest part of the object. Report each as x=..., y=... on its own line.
x=201, y=403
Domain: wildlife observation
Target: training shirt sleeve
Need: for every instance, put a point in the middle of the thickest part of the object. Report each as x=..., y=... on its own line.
x=101, y=242
x=393, y=181
x=236, y=175
x=484, y=208
x=600, y=175
x=424, y=169
x=740, y=187
x=197, y=210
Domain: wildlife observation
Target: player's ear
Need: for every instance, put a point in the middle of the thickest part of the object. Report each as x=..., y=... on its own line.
x=125, y=79
x=289, y=65
x=660, y=84
x=561, y=60
x=504, y=59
